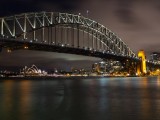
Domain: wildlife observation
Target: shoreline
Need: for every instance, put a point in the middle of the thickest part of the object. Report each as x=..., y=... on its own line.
x=63, y=77
x=53, y=77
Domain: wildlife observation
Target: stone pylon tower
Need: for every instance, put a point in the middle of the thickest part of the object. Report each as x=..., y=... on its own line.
x=141, y=67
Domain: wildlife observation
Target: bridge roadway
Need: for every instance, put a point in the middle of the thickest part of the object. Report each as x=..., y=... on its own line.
x=17, y=45
x=64, y=32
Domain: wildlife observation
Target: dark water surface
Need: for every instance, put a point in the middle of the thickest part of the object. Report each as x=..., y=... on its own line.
x=81, y=99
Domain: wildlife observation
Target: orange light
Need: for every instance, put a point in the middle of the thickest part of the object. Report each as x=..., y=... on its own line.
x=9, y=50
x=25, y=47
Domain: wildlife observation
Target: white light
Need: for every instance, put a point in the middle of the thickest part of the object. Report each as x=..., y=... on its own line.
x=102, y=62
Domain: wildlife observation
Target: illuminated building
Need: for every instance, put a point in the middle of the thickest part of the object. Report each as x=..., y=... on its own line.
x=99, y=68
x=95, y=68
x=116, y=66
x=107, y=66
x=33, y=71
x=155, y=56
x=102, y=67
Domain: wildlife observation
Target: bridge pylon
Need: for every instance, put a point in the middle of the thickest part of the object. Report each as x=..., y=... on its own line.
x=141, y=66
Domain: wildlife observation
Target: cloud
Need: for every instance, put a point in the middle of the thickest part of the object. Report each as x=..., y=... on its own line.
x=124, y=11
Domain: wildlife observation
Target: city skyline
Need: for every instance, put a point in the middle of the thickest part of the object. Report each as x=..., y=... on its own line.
x=135, y=22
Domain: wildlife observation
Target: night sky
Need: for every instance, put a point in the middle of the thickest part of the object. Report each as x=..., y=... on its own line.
x=136, y=22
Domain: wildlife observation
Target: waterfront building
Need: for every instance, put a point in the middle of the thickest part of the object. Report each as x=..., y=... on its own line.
x=155, y=56
x=33, y=71
x=107, y=66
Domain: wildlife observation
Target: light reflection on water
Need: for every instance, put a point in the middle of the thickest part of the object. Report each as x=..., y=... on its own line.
x=81, y=99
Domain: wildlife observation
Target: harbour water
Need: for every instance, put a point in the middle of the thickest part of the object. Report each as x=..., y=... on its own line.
x=80, y=98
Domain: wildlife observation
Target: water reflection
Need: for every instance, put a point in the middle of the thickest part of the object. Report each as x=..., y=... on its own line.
x=145, y=103
x=25, y=99
x=81, y=99
x=158, y=81
x=122, y=99
x=6, y=96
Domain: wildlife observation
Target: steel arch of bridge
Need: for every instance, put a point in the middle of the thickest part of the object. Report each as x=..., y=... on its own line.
x=24, y=27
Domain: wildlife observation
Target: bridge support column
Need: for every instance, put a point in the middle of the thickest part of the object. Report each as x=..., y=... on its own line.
x=141, y=66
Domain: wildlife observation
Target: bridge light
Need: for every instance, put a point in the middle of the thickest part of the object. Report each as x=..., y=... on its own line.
x=9, y=50
x=24, y=38
x=13, y=36
x=25, y=47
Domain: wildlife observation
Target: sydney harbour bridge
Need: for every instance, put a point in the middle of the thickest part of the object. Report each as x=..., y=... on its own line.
x=69, y=33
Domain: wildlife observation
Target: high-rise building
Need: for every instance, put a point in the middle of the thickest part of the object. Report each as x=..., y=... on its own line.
x=107, y=66
x=95, y=68
x=102, y=67
x=155, y=56
x=99, y=68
